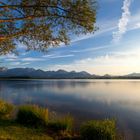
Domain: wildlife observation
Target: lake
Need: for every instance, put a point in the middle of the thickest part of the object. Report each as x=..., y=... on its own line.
x=84, y=99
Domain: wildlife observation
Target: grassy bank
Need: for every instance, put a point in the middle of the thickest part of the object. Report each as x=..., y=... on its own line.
x=10, y=130
x=31, y=122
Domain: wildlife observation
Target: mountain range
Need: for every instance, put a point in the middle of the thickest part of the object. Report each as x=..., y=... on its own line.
x=59, y=74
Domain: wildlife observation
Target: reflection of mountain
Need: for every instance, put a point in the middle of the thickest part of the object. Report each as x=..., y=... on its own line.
x=60, y=74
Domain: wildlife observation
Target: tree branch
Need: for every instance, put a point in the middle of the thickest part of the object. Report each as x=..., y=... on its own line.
x=34, y=6
x=14, y=8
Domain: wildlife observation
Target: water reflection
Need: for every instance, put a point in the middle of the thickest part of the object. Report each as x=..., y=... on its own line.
x=84, y=99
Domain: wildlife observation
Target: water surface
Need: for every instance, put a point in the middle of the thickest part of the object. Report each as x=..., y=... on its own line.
x=84, y=99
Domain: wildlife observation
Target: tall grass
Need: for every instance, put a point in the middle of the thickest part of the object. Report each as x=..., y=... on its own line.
x=32, y=115
x=38, y=117
x=98, y=130
x=63, y=124
x=6, y=110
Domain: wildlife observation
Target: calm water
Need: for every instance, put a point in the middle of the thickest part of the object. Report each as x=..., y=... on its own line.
x=84, y=99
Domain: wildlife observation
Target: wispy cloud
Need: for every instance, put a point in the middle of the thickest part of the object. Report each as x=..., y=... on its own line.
x=24, y=53
x=123, y=26
x=123, y=22
x=134, y=23
x=9, y=57
x=31, y=59
x=112, y=63
x=99, y=32
x=57, y=56
x=12, y=56
x=14, y=63
x=97, y=48
x=23, y=64
x=18, y=63
x=135, y=26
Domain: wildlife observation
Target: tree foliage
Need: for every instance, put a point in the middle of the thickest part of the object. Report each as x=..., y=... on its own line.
x=43, y=23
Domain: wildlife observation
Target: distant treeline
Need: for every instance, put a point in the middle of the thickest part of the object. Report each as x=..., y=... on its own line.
x=100, y=77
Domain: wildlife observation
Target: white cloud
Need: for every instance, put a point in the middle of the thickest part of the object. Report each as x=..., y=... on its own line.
x=135, y=26
x=22, y=64
x=31, y=59
x=123, y=26
x=9, y=57
x=114, y=63
x=24, y=53
x=138, y=25
x=14, y=63
x=18, y=64
x=63, y=56
x=92, y=49
x=57, y=56
x=101, y=31
x=123, y=22
x=48, y=55
x=12, y=56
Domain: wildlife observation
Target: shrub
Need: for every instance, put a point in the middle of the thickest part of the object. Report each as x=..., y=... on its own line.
x=98, y=130
x=60, y=124
x=32, y=115
x=6, y=110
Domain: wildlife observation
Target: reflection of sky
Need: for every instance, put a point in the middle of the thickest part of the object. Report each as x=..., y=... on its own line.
x=84, y=99
x=122, y=93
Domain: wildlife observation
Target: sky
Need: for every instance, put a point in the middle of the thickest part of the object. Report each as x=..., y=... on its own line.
x=113, y=49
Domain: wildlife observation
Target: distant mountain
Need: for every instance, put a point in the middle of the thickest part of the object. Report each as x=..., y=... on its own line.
x=133, y=75
x=59, y=74
x=33, y=73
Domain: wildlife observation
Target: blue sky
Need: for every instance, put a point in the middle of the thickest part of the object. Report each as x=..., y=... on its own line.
x=113, y=49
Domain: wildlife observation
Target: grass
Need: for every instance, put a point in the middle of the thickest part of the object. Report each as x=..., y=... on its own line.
x=63, y=124
x=99, y=130
x=35, y=123
x=6, y=109
x=27, y=115
x=10, y=130
x=13, y=131
x=32, y=115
